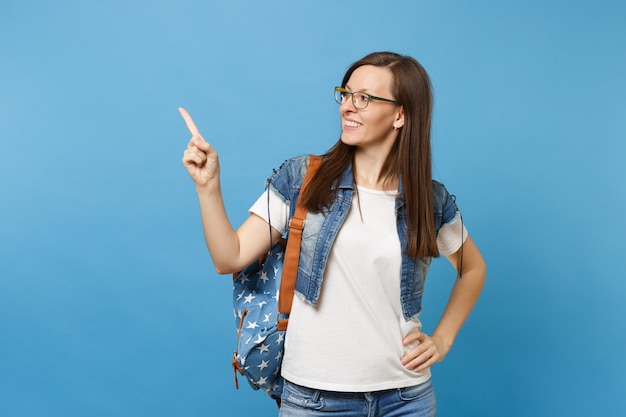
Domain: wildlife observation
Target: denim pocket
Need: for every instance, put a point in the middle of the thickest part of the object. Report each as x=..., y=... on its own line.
x=301, y=397
x=417, y=392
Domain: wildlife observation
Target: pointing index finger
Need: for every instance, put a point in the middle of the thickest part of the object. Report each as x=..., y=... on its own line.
x=193, y=129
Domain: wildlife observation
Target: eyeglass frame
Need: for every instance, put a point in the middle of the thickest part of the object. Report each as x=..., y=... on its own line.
x=370, y=97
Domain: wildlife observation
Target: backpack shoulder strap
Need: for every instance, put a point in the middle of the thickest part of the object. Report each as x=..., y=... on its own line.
x=292, y=252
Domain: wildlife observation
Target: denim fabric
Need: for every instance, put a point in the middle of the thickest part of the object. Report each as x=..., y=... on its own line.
x=415, y=401
x=321, y=229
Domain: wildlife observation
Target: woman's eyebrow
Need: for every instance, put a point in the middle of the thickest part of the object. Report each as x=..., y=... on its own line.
x=363, y=90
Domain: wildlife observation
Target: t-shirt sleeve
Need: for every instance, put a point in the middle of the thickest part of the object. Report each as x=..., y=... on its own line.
x=276, y=213
x=452, y=235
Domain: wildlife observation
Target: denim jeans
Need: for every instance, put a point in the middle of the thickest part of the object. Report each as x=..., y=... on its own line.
x=415, y=401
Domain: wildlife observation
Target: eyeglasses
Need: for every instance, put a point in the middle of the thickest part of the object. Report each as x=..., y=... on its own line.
x=359, y=100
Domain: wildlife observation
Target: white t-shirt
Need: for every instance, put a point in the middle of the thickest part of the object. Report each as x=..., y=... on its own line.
x=352, y=340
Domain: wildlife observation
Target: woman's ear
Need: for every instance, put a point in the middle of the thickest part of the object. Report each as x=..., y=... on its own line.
x=399, y=120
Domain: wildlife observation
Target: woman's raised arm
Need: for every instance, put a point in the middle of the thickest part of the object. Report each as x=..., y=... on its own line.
x=230, y=249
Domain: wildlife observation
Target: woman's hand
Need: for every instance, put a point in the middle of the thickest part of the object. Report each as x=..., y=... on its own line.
x=428, y=351
x=465, y=292
x=200, y=159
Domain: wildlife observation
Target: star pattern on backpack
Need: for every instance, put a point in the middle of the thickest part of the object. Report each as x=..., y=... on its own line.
x=255, y=301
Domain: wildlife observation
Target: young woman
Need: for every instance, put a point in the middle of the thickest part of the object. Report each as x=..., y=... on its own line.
x=375, y=219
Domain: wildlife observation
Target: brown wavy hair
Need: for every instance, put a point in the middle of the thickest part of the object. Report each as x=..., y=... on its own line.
x=409, y=159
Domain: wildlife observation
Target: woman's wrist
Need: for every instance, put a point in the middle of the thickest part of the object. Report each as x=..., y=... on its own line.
x=209, y=189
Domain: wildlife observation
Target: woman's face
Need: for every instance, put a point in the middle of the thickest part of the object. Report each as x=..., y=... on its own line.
x=372, y=127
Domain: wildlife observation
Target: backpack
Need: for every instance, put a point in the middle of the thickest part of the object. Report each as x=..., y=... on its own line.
x=261, y=316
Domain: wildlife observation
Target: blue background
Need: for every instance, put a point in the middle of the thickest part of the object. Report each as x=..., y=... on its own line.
x=109, y=304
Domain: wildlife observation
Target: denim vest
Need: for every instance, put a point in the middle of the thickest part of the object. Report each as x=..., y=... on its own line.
x=320, y=230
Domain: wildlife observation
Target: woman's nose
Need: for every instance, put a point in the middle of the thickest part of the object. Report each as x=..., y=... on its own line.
x=347, y=105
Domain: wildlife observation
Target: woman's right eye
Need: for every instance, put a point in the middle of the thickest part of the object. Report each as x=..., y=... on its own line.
x=360, y=97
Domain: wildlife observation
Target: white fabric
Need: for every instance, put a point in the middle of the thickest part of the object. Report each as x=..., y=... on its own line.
x=451, y=236
x=277, y=215
x=352, y=341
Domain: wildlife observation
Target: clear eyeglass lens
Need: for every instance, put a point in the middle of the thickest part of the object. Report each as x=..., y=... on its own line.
x=340, y=97
x=360, y=100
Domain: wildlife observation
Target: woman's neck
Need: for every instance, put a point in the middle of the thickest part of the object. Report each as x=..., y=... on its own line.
x=367, y=172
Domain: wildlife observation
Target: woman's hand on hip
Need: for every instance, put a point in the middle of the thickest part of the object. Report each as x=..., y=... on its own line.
x=200, y=159
x=428, y=351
